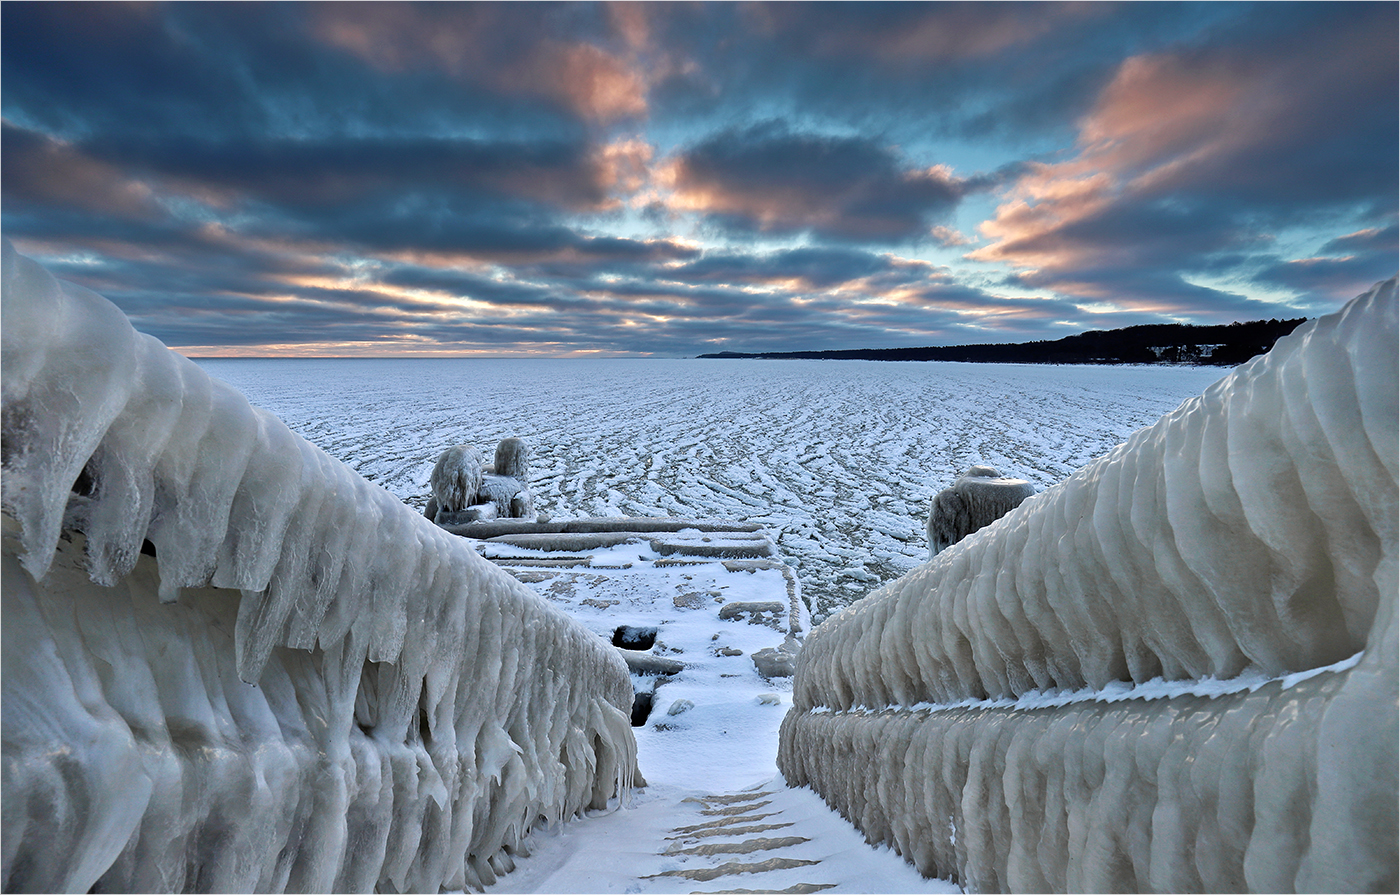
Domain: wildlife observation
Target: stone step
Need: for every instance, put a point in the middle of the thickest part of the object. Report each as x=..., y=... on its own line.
x=734, y=868
x=748, y=846
x=571, y=542
x=727, y=548
x=642, y=524
x=799, y=889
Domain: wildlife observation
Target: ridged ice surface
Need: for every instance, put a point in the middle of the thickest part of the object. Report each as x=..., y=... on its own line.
x=313, y=688
x=837, y=460
x=1252, y=531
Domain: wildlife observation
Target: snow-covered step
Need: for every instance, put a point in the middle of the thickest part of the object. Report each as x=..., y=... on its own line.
x=640, y=524
x=697, y=609
x=678, y=840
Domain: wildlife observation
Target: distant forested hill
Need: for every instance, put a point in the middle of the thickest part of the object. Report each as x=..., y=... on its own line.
x=1156, y=343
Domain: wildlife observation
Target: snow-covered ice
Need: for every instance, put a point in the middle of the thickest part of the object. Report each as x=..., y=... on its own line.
x=837, y=459
x=1077, y=693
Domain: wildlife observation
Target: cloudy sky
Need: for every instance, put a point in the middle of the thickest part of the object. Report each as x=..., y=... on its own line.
x=638, y=179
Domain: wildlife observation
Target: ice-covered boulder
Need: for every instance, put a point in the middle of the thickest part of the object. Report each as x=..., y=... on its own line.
x=1174, y=671
x=231, y=663
x=977, y=499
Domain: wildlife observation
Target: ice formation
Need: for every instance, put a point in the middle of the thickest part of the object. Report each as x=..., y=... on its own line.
x=976, y=500
x=512, y=459
x=456, y=478
x=1249, y=535
x=230, y=663
x=464, y=491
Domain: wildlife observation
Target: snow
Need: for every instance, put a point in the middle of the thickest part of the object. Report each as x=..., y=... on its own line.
x=721, y=741
x=413, y=710
x=1175, y=670
x=837, y=459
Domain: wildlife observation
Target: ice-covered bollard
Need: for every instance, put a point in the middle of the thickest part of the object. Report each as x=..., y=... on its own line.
x=512, y=459
x=506, y=482
x=464, y=489
x=456, y=479
x=977, y=499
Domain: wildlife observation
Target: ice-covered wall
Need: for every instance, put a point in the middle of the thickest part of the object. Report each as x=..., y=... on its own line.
x=230, y=663
x=1026, y=710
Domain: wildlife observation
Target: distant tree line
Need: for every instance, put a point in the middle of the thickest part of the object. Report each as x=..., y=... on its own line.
x=1153, y=343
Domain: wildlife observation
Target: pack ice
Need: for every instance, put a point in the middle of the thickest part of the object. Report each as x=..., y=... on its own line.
x=305, y=685
x=1174, y=671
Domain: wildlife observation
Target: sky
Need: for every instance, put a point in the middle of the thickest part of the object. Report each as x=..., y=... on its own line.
x=636, y=179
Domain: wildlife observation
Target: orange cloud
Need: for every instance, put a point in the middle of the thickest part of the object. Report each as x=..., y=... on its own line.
x=1162, y=120
x=595, y=84
x=481, y=43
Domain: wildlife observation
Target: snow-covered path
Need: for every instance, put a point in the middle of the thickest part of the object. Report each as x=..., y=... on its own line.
x=766, y=839
x=694, y=606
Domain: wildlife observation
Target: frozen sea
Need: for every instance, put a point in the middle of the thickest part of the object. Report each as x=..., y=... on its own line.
x=838, y=459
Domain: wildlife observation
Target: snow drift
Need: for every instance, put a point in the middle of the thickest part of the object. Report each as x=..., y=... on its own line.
x=966, y=713
x=230, y=663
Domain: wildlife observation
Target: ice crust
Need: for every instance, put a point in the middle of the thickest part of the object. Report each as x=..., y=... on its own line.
x=308, y=687
x=1251, y=531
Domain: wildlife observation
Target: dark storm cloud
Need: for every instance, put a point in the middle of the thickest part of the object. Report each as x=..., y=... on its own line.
x=1374, y=239
x=768, y=178
x=905, y=68
x=298, y=172
x=1343, y=268
x=818, y=267
x=223, y=69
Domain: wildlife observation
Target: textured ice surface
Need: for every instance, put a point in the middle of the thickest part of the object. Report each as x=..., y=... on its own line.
x=1252, y=531
x=309, y=686
x=837, y=459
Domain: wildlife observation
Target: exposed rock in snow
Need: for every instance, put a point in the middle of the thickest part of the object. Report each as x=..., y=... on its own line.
x=1253, y=530
x=770, y=613
x=974, y=501
x=414, y=710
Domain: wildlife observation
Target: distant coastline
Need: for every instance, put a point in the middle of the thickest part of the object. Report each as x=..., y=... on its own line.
x=1157, y=343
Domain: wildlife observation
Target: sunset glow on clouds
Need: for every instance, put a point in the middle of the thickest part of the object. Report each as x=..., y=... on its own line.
x=581, y=179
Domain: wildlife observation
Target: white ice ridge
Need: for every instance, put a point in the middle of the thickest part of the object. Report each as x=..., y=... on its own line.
x=309, y=686
x=1251, y=531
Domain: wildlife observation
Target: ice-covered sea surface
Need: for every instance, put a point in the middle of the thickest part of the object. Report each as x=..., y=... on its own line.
x=838, y=459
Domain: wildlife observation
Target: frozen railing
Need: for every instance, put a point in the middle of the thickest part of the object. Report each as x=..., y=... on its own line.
x=1174, y=671
x=304, y=684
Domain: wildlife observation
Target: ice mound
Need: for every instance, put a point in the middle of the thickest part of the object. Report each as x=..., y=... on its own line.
x=1249, y=535
x=302, y=685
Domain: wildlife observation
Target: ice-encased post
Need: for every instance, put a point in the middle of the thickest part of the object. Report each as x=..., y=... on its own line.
x=1253, y=530
x=308, y=687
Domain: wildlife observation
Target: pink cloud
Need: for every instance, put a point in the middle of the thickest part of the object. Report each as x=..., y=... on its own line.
x=487, y=45
x=1177, y=144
